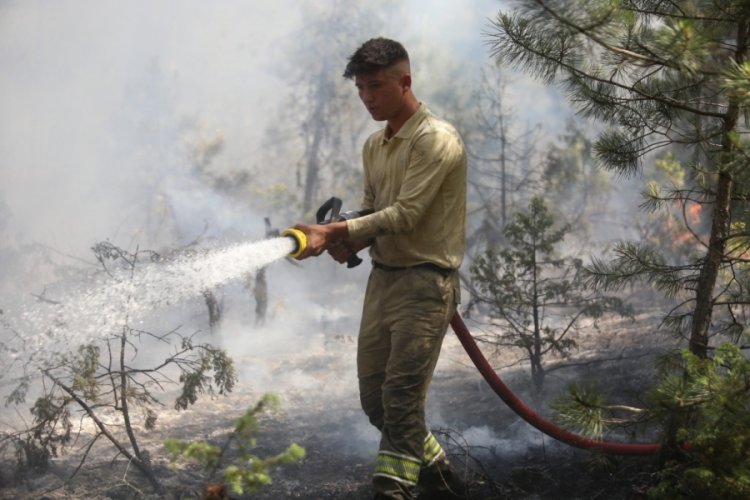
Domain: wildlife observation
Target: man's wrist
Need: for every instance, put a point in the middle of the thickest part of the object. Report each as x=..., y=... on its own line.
x=336, y=231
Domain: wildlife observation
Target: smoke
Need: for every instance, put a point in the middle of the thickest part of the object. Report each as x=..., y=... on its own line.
x=485, y=441
x=108, y=112
x=99, y=94
x=106, y=103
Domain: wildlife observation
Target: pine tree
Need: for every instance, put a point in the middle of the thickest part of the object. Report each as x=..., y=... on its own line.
x=536, y=296
x=659, y=76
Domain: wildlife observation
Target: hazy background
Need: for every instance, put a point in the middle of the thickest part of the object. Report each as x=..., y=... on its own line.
x=152, y=124
x=112, y=113
x=100, y=99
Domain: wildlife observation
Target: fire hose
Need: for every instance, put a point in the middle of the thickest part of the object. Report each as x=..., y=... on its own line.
x=484, y=367
x=528, y=414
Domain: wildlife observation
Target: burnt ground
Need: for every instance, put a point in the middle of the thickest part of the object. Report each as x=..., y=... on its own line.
x=500, y=455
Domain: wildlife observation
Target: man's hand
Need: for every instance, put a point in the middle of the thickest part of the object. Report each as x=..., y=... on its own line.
x=321, y=236
x=339, y=251
x=342, y=250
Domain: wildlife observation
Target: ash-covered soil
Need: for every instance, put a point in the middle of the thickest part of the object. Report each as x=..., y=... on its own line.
x=499, y=454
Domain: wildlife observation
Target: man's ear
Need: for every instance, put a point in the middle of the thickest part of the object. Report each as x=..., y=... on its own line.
x=406, y=81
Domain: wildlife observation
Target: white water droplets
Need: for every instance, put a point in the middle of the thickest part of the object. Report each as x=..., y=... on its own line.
x=104, y=306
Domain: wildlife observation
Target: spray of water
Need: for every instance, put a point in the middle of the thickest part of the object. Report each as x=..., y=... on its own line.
x=111, y=302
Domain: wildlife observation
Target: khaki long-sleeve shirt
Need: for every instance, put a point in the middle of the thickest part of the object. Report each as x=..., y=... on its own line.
x=416, y=183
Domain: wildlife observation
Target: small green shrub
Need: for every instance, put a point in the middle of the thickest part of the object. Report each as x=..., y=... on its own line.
x=247, y=472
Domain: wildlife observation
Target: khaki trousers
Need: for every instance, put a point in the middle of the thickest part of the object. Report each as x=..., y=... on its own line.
x=405, y=316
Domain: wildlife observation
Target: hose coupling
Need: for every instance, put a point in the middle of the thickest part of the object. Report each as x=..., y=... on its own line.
x=300, y=240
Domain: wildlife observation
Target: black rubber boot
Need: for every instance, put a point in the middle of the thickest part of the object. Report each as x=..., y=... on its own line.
x=440, y=481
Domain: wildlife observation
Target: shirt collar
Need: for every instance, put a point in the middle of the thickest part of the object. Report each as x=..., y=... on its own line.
x=408, y=128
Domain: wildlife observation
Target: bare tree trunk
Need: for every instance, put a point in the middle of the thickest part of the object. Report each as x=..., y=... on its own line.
x=312, y=172
x=503, y=172
x=260, y=292
x=214, y=309
x=316, y=121
x=124, y=396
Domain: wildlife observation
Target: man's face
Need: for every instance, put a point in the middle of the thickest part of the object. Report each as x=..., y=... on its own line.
x=382, y=93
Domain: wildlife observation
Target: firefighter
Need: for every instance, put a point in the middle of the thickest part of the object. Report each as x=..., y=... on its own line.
x=415, y=186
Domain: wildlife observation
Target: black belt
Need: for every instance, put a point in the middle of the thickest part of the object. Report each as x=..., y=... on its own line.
x=426, y=265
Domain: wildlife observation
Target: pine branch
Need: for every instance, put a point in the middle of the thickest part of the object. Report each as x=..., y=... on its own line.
x=588, y=33
x=546, y=59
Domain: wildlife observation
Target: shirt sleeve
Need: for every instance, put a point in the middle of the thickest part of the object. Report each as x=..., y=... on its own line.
x=433, y=155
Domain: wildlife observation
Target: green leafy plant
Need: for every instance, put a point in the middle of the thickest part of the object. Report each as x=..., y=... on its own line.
x=247, y=472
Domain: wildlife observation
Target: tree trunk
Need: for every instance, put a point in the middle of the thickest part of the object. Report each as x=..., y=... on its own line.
x=214, y=309
x=720, y=220
x=312, y=171
x=704, y=295
x=260, y=292
x=317, y=121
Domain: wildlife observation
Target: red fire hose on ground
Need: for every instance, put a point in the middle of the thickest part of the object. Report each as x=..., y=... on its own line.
x=529, y=415
x=333, y=206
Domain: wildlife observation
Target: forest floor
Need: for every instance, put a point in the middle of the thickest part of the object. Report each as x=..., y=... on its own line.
x=499, y=455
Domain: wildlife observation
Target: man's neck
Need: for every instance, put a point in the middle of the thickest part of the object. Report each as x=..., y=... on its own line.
x=394, y=124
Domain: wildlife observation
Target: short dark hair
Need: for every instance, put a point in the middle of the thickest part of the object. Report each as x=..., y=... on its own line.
x=375, y=54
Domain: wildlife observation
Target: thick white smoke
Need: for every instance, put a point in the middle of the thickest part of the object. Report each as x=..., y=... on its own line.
x=107, y=108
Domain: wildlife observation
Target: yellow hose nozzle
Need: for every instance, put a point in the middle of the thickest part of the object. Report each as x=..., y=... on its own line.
x=299, y=238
